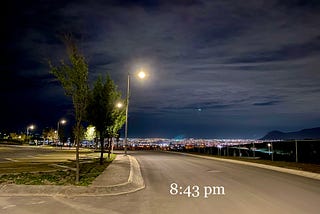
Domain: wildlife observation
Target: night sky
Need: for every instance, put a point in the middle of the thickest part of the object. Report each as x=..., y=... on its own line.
x=216, y=68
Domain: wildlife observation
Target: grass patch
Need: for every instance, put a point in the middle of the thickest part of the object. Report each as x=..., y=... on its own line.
x=89, y=170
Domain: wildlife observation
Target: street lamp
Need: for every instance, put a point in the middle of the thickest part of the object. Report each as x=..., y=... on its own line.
x=141, y=75
x=28, y=128
x=270, y=152
x=269, y=145
x=62, y=122
x=119, y=105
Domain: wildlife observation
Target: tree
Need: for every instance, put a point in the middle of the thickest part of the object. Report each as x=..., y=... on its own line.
x=118, y=118
x=49, y=134
x=101, y=107
x=74, y=79
x=90, y=133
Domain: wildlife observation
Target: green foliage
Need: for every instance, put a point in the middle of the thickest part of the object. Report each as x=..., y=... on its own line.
x=74, y=79
x=119, y=118
x=40, y=176
x=101, y=104
x=90, y=133
x=17, y=137
x=101, y=109
x=49, y=134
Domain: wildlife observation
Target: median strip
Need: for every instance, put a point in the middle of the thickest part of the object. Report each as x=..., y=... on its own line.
x=132, y=183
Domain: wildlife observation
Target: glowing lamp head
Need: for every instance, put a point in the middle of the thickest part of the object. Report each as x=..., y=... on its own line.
x=119, y=105
x=141, y=75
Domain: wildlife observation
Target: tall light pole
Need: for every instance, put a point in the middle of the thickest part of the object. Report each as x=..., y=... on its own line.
x=62, y=122
x=270, y=150
x=296, y=145
x=141, y=75
x=127, y=111
x=29, y=127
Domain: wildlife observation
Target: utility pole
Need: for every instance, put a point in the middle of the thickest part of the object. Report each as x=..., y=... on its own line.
x=296, y=144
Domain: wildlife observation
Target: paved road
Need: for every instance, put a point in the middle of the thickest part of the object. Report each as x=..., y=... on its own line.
x=40, y=154
x=247, y=190
x=11, y=152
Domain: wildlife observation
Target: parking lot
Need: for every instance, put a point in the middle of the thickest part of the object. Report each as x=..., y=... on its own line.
x=41, y=154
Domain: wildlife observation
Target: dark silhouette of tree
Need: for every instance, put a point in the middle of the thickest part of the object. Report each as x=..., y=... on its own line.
x=74, y=79
x=118, y=118
x=101, y=109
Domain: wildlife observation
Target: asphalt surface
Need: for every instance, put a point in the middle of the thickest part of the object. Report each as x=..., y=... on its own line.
x=246, y=189
x=7, y=153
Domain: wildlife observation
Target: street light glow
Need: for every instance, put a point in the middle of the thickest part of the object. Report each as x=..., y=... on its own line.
x=62, y=121
x=141, y=74
x=31, y=127
x=119, y=105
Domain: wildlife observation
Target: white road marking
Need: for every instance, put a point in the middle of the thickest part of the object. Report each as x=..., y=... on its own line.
x=214, y=171
x=10, y=159
x=8, y=206
x=39, y=202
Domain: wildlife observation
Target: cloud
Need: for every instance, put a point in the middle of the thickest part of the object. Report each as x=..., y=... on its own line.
x=225, y=57
x=269, y=103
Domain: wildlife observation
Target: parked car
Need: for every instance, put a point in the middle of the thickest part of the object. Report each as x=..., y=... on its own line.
x=32, y=143
x=87, y=144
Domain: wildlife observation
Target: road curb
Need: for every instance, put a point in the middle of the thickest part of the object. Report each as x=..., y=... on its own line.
x=135, y=183
x=311, y=175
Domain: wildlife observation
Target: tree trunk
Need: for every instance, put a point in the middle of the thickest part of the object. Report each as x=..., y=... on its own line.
x=102, y=148
x=112, y=145
x=77, y=162
x=77, y=139
x=109, y=146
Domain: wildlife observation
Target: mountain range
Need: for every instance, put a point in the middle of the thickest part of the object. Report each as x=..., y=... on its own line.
x=312, y=133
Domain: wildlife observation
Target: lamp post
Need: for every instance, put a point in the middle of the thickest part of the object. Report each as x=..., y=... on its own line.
x=270, y=150
x=141, y=75
x=62, y=122
x=29, y=127
x=296, y=146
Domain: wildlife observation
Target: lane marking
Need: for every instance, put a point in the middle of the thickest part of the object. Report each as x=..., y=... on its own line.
x=39, y=202
x=8, y=206
x=213, y=171
x=10, y=159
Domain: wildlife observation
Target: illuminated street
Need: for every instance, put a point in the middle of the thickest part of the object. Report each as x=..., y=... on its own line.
x=203, y=106
x=246, y=190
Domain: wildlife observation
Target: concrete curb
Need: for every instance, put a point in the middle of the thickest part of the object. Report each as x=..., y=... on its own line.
x=135, y=183
x=306, y=174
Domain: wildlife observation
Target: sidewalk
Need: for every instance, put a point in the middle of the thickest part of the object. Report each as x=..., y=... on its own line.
x=121, y=177
x=306, y=174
